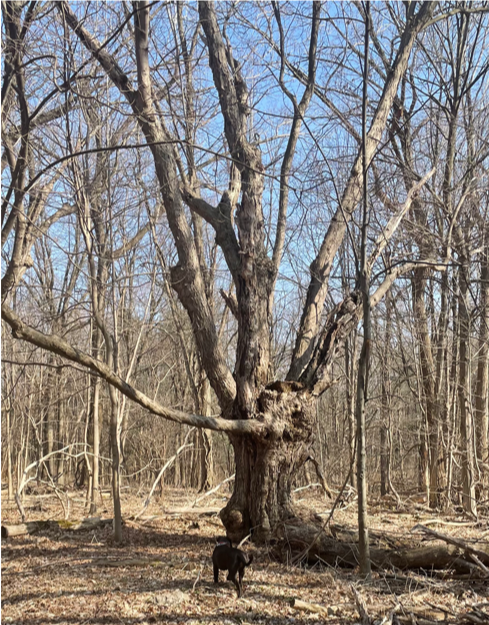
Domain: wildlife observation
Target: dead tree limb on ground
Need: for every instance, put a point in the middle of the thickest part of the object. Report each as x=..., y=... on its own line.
x=32, y=527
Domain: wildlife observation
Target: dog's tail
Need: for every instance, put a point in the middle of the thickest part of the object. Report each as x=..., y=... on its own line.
x=250, y=560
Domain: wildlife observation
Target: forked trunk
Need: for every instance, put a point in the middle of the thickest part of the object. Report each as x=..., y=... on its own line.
x=267, y=466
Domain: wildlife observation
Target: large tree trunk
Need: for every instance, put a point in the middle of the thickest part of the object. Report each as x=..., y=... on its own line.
x=10, y=485
x=385, y=403
x=350, y=368
x=115, y=447
x=48, y=423
x=267, y=466
x=95, y=423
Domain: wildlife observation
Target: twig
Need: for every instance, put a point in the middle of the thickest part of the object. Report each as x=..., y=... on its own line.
x=168, y=464
x=361, y=607
x=244, y=540
x=454, y=523
x=213, y=490
x=479, y=563
x=298, y=604
x=198, y=577
x=297, y=490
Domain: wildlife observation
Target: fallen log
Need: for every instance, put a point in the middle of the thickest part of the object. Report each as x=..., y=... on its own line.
x=318, y=546
x=479, y=556
x=33, y=527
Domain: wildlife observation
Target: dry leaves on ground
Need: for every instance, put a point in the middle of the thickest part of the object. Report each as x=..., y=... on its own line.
x=162, y=574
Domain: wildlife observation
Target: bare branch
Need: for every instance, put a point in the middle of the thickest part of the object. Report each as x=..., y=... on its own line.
x=321, y=266
x=462, y=9
x=58, y=345
x=299, y=112
x=394, y=222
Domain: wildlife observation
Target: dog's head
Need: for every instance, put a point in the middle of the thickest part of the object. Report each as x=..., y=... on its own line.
x=223, y=540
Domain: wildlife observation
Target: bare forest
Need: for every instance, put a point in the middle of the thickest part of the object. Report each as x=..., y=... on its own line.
x=245, y=273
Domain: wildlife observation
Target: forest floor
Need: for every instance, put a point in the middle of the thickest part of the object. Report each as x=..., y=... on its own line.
x=163, y=572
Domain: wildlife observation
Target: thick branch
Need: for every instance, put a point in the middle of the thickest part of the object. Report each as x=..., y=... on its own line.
x=341, y=321
x=187, y=277
x=220, y=219
x=58, y=345
x=321, y=266
x=229, y=83
x=462, y=9
x=395, y=221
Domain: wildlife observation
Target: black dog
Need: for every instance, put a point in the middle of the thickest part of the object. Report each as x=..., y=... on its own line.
x=228, y=558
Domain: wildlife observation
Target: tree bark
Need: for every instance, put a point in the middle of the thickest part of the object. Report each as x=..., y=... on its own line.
x=10, y=485
x=385, y=435
x=482, y=386
x=115, y=447
x=203, y=444
x=363, y=278
x=350, y=367
x=466, y=425
x=266, y=466
x=427, y=370
x=95, y=421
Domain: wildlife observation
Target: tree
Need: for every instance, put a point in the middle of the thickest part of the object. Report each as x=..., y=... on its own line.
x=363, y=279
x=482, y=389
x=269, y=420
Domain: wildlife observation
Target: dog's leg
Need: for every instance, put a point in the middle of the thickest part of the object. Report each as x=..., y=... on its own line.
x=232, y=577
